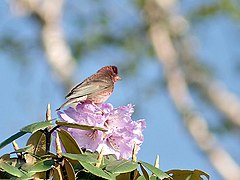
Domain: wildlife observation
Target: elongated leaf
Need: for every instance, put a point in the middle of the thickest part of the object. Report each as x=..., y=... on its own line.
x=11, y=169
x=41, y=166
x=136, y=174
x=141, y=178
x=69, y=142
x=36, y=126
x=11, y=139
x=153, y=177
x=38, y=141
x=145, y=174
x=107, y=160
x=57, y=173
x=69, y=169
x=40, y=175
x=187, y=174
x=80, y=157
x=26, y=176
x=94, y=155
x=79, y=126
x=124, y=176
x=121, y=166
x=160, y=174
x=129, y=175
x=96, y=171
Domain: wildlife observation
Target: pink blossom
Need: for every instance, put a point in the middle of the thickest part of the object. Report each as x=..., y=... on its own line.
x=122, y=131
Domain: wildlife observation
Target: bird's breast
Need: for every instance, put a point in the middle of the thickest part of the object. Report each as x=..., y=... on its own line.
x=100, y=97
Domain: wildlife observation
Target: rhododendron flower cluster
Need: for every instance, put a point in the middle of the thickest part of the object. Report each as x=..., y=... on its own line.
x=122, y=132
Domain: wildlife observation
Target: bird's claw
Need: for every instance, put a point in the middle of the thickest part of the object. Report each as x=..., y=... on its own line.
x=100, y=110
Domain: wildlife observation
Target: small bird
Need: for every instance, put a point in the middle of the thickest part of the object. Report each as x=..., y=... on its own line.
x=95, y=89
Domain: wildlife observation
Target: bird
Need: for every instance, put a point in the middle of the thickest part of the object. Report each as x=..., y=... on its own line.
x=95, y=89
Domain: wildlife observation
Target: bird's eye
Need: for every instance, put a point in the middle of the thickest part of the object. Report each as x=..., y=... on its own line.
x=115, y=70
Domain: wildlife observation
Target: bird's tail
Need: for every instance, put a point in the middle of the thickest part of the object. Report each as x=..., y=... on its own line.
x=68, y=102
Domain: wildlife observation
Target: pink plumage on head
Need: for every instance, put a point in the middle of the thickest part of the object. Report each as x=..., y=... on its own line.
x=113, y=69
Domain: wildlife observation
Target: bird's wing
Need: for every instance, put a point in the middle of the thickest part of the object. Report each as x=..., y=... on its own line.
x=89, y=87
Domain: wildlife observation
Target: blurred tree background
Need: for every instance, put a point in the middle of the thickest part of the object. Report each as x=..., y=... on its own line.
x=179, y=61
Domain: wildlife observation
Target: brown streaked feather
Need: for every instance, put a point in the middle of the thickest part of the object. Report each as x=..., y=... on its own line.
x=71, y=101
x=90, y=86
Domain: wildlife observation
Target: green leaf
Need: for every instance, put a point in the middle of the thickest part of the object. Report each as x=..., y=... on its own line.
x=160, y=174
x=79, y=126
x=124, y=176
x=36, y=126
x=145, y=174
x=187, y=174
x=39, y=175
x=41, y=166
x=107, y=159
x=152, y=177
x=38, y=141
x=57, y=173
x=27, y=129
x=121, y=166
x=94, y=155
x=26, y=176
x=11, y=169
x=136, y=174
x=12, y=138
x=96, y=171
x=80, y=157
x=69, y=143
x=141, y=178
x=69, y=169
x=129, y=175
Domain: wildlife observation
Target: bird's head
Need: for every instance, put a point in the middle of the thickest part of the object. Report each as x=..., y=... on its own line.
x=112, y=71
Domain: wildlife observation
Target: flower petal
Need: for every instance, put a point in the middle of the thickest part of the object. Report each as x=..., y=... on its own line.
x=122, y=132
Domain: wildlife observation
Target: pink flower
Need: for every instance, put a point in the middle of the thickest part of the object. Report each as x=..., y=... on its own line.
x=122, y=131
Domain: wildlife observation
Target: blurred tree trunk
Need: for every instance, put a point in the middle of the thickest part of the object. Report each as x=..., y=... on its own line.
x=166, y=29
x=59, y=57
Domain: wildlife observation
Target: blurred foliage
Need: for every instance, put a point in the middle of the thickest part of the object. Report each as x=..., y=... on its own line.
x=14, y=48
x=132, y=41
x=129, y=38
x=228, y=7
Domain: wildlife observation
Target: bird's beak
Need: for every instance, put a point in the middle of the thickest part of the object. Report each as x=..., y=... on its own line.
x=118, y=78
